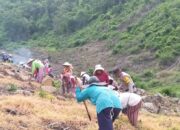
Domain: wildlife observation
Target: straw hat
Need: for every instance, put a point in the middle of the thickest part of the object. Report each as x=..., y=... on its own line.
x=82, y=73
x=30, y=60
x=98, y=67
x=67, y=64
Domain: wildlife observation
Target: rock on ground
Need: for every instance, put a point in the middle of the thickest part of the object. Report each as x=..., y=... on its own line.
x=150, y=107
x=49, y=89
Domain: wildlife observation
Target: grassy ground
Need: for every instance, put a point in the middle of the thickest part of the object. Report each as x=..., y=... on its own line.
x=44, y=111
x=141, y=36
x=37, y=113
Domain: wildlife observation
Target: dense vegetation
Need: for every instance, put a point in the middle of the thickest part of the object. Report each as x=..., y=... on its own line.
x=34, y=19
x=128, y=26
x=67, y=23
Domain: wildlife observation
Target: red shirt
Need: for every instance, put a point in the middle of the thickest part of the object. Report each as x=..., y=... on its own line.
x=103, y=77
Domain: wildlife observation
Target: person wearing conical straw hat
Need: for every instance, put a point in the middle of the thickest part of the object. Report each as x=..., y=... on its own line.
x=68, y=68
x=68, y=84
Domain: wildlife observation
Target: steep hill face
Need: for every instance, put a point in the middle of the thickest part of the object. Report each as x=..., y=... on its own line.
x=142, y=36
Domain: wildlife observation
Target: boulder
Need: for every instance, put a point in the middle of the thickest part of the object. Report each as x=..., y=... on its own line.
x=1, y=75
x=9, y=72
x=140, y=91
x=179, y=102
x=47, y=81
x=150, y=107
x=49, y=89
x=24, y=92
x=156, y=99
x=175, y=100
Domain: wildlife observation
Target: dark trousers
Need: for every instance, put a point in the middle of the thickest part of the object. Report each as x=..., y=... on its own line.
x=107, y=117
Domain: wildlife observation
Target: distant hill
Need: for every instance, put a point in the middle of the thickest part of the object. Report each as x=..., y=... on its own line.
x=140, y=35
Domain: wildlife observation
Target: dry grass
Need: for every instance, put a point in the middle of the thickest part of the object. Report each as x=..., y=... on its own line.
x=159, y=122
x=37, y=113
x=9, y=80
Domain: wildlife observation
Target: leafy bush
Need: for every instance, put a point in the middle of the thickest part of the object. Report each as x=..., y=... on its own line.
x=134, y=50
x=103, y=37
x=141, y=84
x=90, y=71
x=117, y=9
x=117, y=49
x=79, y=42
x=56, y=84
x=44, y=94
x=166, y=55
x=154, y=83
x=168, y=92
x=148, y=74
x=12, y=88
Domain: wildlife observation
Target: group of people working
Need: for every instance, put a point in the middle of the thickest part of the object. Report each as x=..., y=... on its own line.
x=100, y=88
x=102, y=92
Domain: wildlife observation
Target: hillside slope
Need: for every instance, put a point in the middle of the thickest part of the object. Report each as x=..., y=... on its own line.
x=25, y=105
x=142, y=36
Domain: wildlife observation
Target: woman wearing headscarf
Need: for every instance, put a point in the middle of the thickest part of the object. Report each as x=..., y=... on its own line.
x=101, y=74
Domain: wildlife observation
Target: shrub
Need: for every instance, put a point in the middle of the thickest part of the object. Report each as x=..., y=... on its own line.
x=56, y=84
x=117, y=9
x=168, y=92
x=12, y=88
x=117, y=49
x=129, y=28
x=44, y=94
x=134, y=50
x=103, y=37
x=114, y=27
x=141, y=84
x=79, y=42
x=154, y=83
x=90, y=71
x=148, y=74
x=166, y=55
x=141, y=45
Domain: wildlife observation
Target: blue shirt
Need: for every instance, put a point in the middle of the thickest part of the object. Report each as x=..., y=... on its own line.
x=102, y=97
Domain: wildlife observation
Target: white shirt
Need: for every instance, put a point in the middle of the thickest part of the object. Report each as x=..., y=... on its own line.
x=129, y=99
x=111, y=87
x=86, y=76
